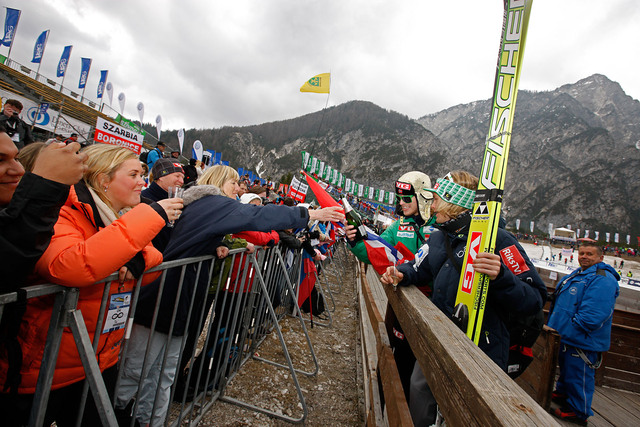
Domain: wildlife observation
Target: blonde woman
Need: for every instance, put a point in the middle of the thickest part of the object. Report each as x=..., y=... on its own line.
x=210, y=213
x=102, y=228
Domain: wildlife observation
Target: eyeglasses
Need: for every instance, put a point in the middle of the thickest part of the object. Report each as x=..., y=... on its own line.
x=405, y=199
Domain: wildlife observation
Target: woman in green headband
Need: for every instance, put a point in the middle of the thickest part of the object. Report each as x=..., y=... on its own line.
x=515, y=287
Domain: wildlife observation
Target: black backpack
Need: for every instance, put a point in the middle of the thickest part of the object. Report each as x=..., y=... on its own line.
x=143, y=157
x=523, y=333
x=317, y=303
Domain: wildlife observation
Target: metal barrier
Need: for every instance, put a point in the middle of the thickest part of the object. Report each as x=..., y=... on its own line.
x=221, y=312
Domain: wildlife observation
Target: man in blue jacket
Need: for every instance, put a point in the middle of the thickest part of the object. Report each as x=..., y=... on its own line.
x=582, y=315
x=155, y=154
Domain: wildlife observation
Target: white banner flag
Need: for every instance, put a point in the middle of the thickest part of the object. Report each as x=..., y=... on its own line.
x=159, y=125
x=518, y=224
x=181, y=138
x=121, y=100
x=110, y=92
x=140, y=108
x=531, y=226
x=197, y=150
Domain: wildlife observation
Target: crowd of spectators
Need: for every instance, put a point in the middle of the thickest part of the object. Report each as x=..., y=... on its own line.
x=73, y=216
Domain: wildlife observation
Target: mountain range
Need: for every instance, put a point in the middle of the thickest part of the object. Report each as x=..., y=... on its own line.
x=574, y=158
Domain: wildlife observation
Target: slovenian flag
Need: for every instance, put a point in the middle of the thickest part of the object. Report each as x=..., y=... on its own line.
x=382, y=255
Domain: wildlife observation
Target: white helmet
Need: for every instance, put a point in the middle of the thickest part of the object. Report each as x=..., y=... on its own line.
x=417, y=183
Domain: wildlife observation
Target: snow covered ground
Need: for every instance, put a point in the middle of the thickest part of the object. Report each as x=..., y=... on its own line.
x=538, y=254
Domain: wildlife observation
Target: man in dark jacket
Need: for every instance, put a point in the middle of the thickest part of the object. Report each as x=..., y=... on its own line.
x=29, y=208
x=30, y=204
x=15, y=127
x=165, y=173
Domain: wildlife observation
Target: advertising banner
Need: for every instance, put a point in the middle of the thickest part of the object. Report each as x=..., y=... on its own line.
x=111, y=133
x=50, y=119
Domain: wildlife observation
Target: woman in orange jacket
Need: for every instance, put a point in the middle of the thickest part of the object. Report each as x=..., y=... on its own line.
x=102, y=228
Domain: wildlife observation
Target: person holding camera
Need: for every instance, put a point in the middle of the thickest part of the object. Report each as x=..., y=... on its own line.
x=17, y=129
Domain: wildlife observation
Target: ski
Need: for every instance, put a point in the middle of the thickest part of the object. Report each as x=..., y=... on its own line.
x=472, y=290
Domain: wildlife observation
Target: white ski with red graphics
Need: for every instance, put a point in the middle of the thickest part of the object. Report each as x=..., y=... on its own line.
x=473, y=287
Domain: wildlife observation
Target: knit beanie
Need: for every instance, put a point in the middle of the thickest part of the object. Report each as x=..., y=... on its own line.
x=164, y=167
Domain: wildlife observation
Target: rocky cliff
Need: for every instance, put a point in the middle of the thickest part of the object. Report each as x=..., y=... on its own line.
x=573, y=156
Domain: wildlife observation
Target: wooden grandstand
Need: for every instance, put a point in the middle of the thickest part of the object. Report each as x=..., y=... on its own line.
x=19, y=81
x=22, y=84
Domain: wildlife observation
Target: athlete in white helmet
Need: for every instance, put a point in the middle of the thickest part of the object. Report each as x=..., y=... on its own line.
x=412, y=230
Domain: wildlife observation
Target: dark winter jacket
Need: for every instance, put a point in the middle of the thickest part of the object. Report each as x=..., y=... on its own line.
x=206, y=218
x=17, y=129
x=583, y=307
x=155, y=193
x=289, y=240
x=518, y=289
x=27, y=226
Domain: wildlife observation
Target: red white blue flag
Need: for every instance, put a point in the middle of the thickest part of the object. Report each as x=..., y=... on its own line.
x=307, y=278
x=382, y=255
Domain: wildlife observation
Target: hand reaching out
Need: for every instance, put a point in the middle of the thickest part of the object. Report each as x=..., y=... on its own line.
x=61, y=163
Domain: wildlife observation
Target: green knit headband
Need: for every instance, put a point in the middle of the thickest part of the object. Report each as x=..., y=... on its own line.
x=454, y=193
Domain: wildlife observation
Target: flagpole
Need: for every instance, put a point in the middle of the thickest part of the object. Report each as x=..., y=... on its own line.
x=324, y=110
x=15, y=30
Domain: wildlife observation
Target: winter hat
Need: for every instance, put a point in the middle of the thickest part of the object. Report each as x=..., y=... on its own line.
x=164, y=167
x=246, y=198
x=454, y=193
x=418, y=184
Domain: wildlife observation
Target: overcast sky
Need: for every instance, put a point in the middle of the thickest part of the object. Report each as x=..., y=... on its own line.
x=202, y=64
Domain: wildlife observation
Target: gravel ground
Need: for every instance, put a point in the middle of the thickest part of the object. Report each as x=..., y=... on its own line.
x=333, y=397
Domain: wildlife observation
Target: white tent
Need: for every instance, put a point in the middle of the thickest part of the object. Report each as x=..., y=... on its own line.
x=564, y=234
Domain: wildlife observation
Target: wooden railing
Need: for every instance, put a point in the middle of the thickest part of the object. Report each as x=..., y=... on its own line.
x=470, y=389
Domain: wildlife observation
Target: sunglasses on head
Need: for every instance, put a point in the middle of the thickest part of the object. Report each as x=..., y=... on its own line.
x=405, y=199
